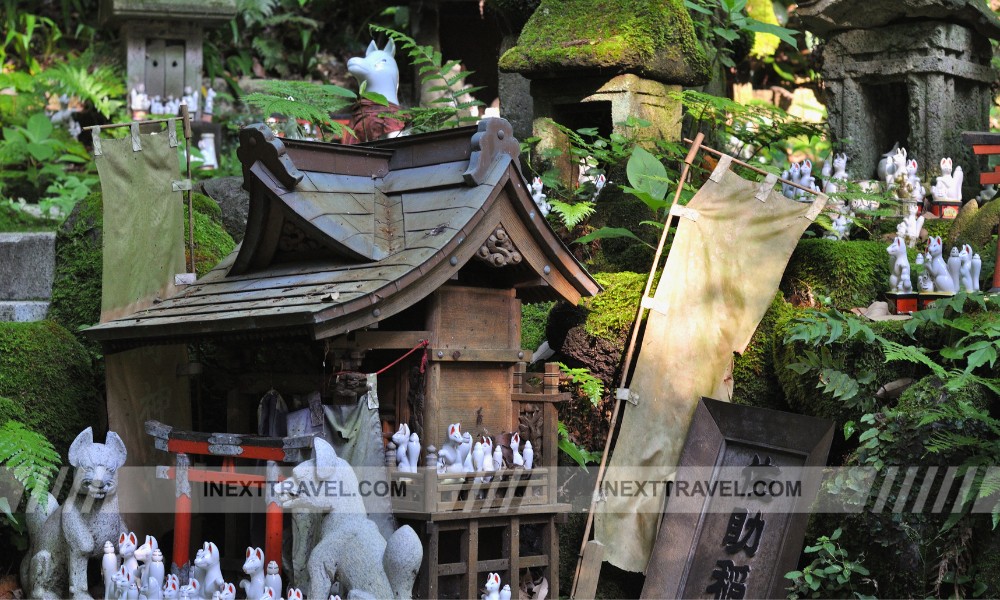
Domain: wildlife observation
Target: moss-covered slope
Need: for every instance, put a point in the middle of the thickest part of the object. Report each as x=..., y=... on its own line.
x=48, y=378
x=848, y=274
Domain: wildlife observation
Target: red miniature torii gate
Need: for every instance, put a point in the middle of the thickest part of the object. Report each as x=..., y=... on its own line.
x=229, y=447
x=987, y=144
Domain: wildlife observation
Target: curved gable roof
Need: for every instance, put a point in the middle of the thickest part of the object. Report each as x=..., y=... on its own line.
x=340, y=237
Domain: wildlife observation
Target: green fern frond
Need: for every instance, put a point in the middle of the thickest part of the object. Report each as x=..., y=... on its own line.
x=896, y=351
x=572, y=214
x=438, y=76
x=303, y=100
x=30, y=457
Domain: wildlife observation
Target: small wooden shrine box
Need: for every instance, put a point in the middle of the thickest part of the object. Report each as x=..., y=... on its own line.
x=414, y=255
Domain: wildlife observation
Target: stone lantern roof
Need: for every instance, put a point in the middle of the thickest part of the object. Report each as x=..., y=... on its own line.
x=654, y=39
x=206, y=12
x=824, y=17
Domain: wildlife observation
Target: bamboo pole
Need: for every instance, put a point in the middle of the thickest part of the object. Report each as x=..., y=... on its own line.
x=187, y=157
x=636, y=325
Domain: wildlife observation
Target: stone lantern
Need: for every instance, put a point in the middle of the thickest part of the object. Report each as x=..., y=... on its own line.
x=915, y=72
x=164, y=40
x=593, y=63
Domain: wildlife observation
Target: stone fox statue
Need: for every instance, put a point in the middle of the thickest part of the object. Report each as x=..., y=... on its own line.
x=64, y=537
x=351, y=550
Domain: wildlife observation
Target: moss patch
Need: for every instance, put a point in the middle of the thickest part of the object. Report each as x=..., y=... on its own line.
x=613, y=310
x=533, y=319
x=850, y=274
x=49, y=376
x=76, y=290
x=652, y=38
x=754, y=380
x=211, y=242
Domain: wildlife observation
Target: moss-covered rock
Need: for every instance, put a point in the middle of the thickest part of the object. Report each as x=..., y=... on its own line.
x=533, y=319
x=211, y=242
x=49, y=376
x=612, y=311
x=754, y=381
x=76, y=289
x=651, y=38
x=850, y=274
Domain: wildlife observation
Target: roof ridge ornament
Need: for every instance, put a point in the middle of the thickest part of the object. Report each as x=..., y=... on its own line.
x=494, y=138
x=258, y=143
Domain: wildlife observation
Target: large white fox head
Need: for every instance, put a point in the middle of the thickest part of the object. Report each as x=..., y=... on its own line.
x=377, y=68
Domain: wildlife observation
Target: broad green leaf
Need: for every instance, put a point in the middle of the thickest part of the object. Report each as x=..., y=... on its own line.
x=647, y=173
x=39, y=151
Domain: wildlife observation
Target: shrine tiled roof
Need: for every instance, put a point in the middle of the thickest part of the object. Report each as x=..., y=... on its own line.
x=341, y=237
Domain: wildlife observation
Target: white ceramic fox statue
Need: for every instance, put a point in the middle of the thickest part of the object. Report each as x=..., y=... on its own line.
x=272, y=579
x=254, y=567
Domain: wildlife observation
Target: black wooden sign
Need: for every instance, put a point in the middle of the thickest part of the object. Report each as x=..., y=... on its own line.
x=735, y=520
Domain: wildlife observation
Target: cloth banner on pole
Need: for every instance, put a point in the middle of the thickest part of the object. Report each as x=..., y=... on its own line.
x=732, y=244
x=143, y=222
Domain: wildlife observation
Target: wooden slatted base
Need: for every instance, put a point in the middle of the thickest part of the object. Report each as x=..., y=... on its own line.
x=460, y=553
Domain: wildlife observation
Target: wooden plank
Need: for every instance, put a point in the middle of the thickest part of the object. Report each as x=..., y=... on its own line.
x=986, y=149
x=433, y=554
x=522, y=511
x=411, y=256
x=513, y=540
x=478, y=355
x=377, y=273
x=445, y=198
x=473, y=560
x=389, y=224
x=249, y=308
x=313, y=204
x=560, y=397
x=344, y=184
x=992, y=177
x=553, y=539
x=152, y=320
x=424, y=177
x=290, y=295
x=455, y=218
x=386, y=340
x=476, y=318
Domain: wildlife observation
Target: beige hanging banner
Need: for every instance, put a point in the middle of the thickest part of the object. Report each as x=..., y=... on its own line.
x=143, y=230
x=721, y=274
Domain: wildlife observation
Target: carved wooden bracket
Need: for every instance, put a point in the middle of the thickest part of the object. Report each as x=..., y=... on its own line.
x=499, y=251
x=258, y=142
x=494, y=138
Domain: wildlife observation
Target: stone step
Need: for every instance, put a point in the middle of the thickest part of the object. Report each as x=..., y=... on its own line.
x=27, y=265
x=23, y=311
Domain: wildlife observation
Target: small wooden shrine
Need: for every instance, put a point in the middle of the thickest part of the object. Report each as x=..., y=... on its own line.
x=415, y=253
